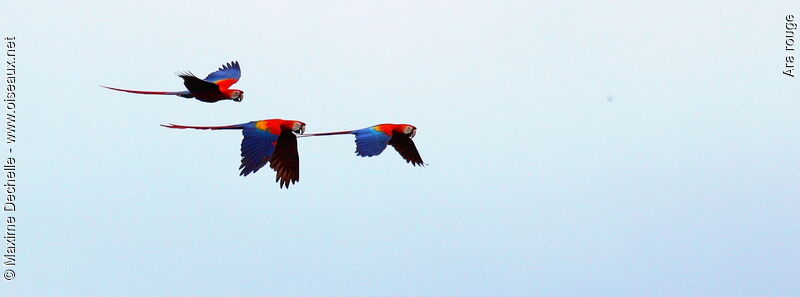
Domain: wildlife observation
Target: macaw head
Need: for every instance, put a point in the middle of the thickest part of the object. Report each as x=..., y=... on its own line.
x=297, y=127
x=236, y=95
x=408, y=130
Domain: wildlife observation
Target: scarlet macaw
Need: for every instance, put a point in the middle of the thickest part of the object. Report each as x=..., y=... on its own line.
x=215, y=87
x=371, y=141
x=265, y=141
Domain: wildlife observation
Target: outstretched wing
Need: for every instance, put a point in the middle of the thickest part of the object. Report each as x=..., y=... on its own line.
x=199, y=86
x=405, y=146
x=370, y=142
x=285, y=160
x=257, y=147
x=226, y=76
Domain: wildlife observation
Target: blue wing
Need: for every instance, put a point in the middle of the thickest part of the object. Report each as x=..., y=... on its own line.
x=370, y=142
x=257, y=146
x=229, y=71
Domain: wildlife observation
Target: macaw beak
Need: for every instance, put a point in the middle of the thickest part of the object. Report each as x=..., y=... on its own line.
x=302, y=129
x=240, y=98
x=413, y=133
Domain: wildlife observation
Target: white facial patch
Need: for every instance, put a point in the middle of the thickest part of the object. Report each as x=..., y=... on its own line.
x=300, y=127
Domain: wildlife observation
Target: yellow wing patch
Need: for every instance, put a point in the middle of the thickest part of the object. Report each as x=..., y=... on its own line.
x=264, y=125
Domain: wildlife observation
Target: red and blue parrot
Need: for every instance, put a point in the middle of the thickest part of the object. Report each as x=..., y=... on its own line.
x=266, y=141
x=215, y=87
x=371, y=141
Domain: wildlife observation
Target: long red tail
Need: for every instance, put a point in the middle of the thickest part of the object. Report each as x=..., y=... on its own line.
x=173, y=126
x=142, y=92
x=326, y=133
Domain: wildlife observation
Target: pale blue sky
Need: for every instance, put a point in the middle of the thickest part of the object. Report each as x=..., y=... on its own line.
x=686, y=184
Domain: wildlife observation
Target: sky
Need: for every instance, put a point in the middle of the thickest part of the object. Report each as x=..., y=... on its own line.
x=611, y=148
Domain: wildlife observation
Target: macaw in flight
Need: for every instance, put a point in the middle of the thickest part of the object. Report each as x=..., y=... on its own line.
x=215, y=87
x=266, y=141
x=371, y=141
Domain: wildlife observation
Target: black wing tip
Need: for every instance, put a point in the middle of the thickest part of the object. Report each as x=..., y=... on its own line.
x=185, y=74
x=282, y=183
x=285, y=178
x=232, y=64
x=246, y=170
x=285, y=182
x=416, y=163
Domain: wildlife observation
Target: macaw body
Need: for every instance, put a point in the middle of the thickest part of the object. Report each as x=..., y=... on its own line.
x=266, y=141
x=215, y=87
x=371, y=141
